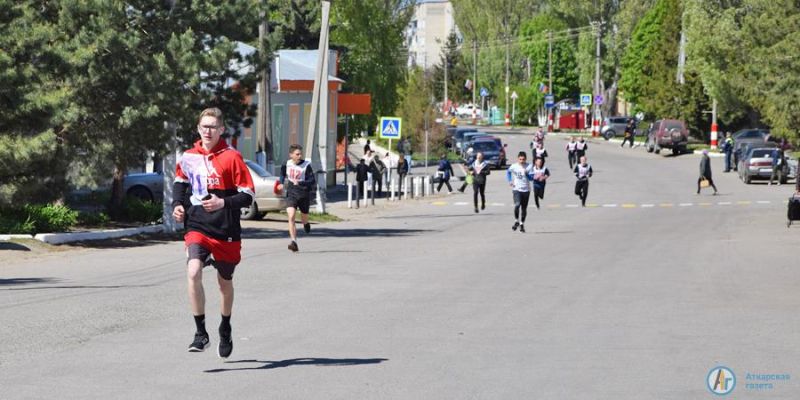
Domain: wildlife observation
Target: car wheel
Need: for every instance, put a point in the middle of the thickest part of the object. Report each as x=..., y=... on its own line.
x=657, y=151
x=747, y=179
x=609, y=134
x=140, y=192
x=649, y=145
x=250, y=213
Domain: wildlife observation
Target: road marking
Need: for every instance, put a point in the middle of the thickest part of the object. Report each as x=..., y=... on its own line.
x=704, y=204
x=724, y=203
x=629, y=205
x=497, y=204
x=553, y=205
x=648, y=205
x=609, y=205
x=666, y=205
x=744, y=203
x=461, y=203
x=763, y=202
x=592, y=205
x=685, y=204
x=439, y=203
x=571, y=206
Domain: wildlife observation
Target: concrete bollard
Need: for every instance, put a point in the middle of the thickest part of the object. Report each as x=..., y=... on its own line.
x=364, y=194
x=350, y=195
x=405, y=187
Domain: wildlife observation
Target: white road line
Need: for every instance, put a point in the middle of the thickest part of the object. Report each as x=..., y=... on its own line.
x=686, y=204
x=763, y=202
x=497, y=204
x=648, y=205
x=571, y=206
x=724, y=203
x=460, y=203
x=609, y=205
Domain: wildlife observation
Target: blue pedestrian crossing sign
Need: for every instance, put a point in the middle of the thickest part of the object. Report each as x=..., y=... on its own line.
x=390, y=127
x=586, y=99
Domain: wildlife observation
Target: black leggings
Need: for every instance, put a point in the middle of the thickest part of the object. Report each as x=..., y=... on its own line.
x=627, y=139
x=710, y=182
x=479, y=188
x=572, y=159
x=444, y=182
x=538, y=193
x=582, y=190
x=521, y=201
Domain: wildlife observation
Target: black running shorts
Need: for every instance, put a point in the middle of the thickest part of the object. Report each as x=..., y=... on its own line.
x=198, y=252
x=299, y=202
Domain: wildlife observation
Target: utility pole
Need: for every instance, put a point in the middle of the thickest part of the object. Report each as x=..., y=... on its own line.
x=550, y=78
x=714, y=134
x=474, y=73
x=596, y=115
x=319, y=109
x=508, y=45
x=446, y=106
x=264, y=122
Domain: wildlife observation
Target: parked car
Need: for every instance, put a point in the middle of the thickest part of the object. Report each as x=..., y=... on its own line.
x=458, y=136
x=746, y=137
x=467, y=140
x=465, y=111
x=150, y=187
x=667, y=134
x=614, y=126
x=493, y=150
x=757, y=164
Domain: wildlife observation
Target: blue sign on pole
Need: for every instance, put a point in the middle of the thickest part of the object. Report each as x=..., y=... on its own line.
x=484, y=92
x=586, y=99
x=390, y=127
x=549, y=101
x=598, y=99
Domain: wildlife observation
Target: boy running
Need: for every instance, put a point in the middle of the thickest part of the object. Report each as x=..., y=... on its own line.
x=212, y=184
x=519, y=176
x=571, y=149
x=540, y=175
x=298, y=177
x=583, y=171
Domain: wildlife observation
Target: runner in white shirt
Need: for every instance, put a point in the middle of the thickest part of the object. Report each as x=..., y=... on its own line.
x=540, y=175
x=519, y=176
x=571, y=149
x=583, y=171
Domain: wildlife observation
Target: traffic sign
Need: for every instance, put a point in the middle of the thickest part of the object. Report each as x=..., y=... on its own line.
x=484, y=92
x=598, y=99
x=514, y=95
x=549, y=101
x=390, y=127
x=586, y=99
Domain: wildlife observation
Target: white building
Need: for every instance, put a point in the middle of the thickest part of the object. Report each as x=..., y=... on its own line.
x=427, y=32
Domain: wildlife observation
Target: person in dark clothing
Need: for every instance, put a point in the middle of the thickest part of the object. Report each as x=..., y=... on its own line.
x=377, y=168
x=571, y=152
x=445, y=171
x=580, y=148
x=298, y=178
x=583, y=171
x=479, y=169
x=540, y=175
x=705, y=172
x=630, y=133
x=727, y=148
x=362, y=171
x=778, y=159
x=367, y=148
x=402, y=171
x=468, y=163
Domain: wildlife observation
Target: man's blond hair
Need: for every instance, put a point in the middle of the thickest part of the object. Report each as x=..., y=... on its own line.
x=212, y=112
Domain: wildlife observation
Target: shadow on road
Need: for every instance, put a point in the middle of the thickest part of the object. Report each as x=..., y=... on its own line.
x=320, y=362
x=24, y=281
x=13, y=246
x=255, y=233
x=79, y=287
x=130, y=242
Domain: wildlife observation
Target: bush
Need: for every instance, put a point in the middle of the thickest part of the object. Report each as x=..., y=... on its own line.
x=37, y=218
x=93, y=219
x=135, y=210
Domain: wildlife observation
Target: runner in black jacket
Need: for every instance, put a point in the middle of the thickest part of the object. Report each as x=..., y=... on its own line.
x=298, y=179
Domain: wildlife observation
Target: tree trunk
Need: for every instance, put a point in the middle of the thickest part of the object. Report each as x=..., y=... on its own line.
x=117, y=193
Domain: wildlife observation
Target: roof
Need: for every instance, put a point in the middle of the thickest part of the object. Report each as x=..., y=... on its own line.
x=301, y=65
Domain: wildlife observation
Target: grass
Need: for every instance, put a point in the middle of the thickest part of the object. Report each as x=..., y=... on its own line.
x=317, y=217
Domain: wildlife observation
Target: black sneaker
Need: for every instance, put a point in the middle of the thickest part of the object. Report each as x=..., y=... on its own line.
x=522, y=228
x=307, y=228
x=515, y=226
x=476, y=211
x=225, y=346
x=293, y=246
x=200, y=342
x=483, y=206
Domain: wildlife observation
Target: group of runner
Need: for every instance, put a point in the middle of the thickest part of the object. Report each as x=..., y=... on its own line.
x=212, y=184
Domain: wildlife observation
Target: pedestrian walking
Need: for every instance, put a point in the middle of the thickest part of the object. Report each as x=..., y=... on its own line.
x=362, y=175
x=540, y=175
x=480, y=169
x=539, y=152
x=630, y=133
x=212, y=184
x=519, y=175
x=407, y=150
x=377, y=168
x=778, y=159
x=571, y=152
x=705, y=173
x=470, y=159
x=402, y=171
x=580, y=148
x=583, y=171
x=727, y=148
x=444, y=172
x=297, y=177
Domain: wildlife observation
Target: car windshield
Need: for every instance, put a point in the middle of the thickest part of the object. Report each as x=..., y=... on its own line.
x=761, y=153
x=751, y=135
x=484, y=146
x=257, y=169
x=673, y=125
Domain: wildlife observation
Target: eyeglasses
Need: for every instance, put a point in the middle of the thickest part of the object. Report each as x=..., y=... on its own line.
x=208, y=127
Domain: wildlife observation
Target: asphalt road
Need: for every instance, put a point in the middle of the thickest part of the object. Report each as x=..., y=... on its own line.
x=637, y=296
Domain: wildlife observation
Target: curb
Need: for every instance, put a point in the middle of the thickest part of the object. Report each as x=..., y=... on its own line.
x=61, y=238
x=12, y=237
x=710, y=153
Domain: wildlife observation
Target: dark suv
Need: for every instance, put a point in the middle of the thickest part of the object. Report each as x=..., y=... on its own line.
x=667, y=134
x=493, y=152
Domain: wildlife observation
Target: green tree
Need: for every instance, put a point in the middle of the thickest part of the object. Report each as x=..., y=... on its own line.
x=416, y=109
x=534, y=44
x=457, y=72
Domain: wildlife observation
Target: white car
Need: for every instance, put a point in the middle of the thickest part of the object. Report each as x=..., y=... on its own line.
x=465, y=111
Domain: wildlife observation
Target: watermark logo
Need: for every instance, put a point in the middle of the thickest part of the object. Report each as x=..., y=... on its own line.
x=721, y=380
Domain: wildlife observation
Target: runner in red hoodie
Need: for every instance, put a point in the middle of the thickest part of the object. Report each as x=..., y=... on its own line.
x=212, y=184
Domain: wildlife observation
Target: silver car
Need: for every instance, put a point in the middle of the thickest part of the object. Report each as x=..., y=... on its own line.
x=150, y=187
x=757, y=163
x=614, y=126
